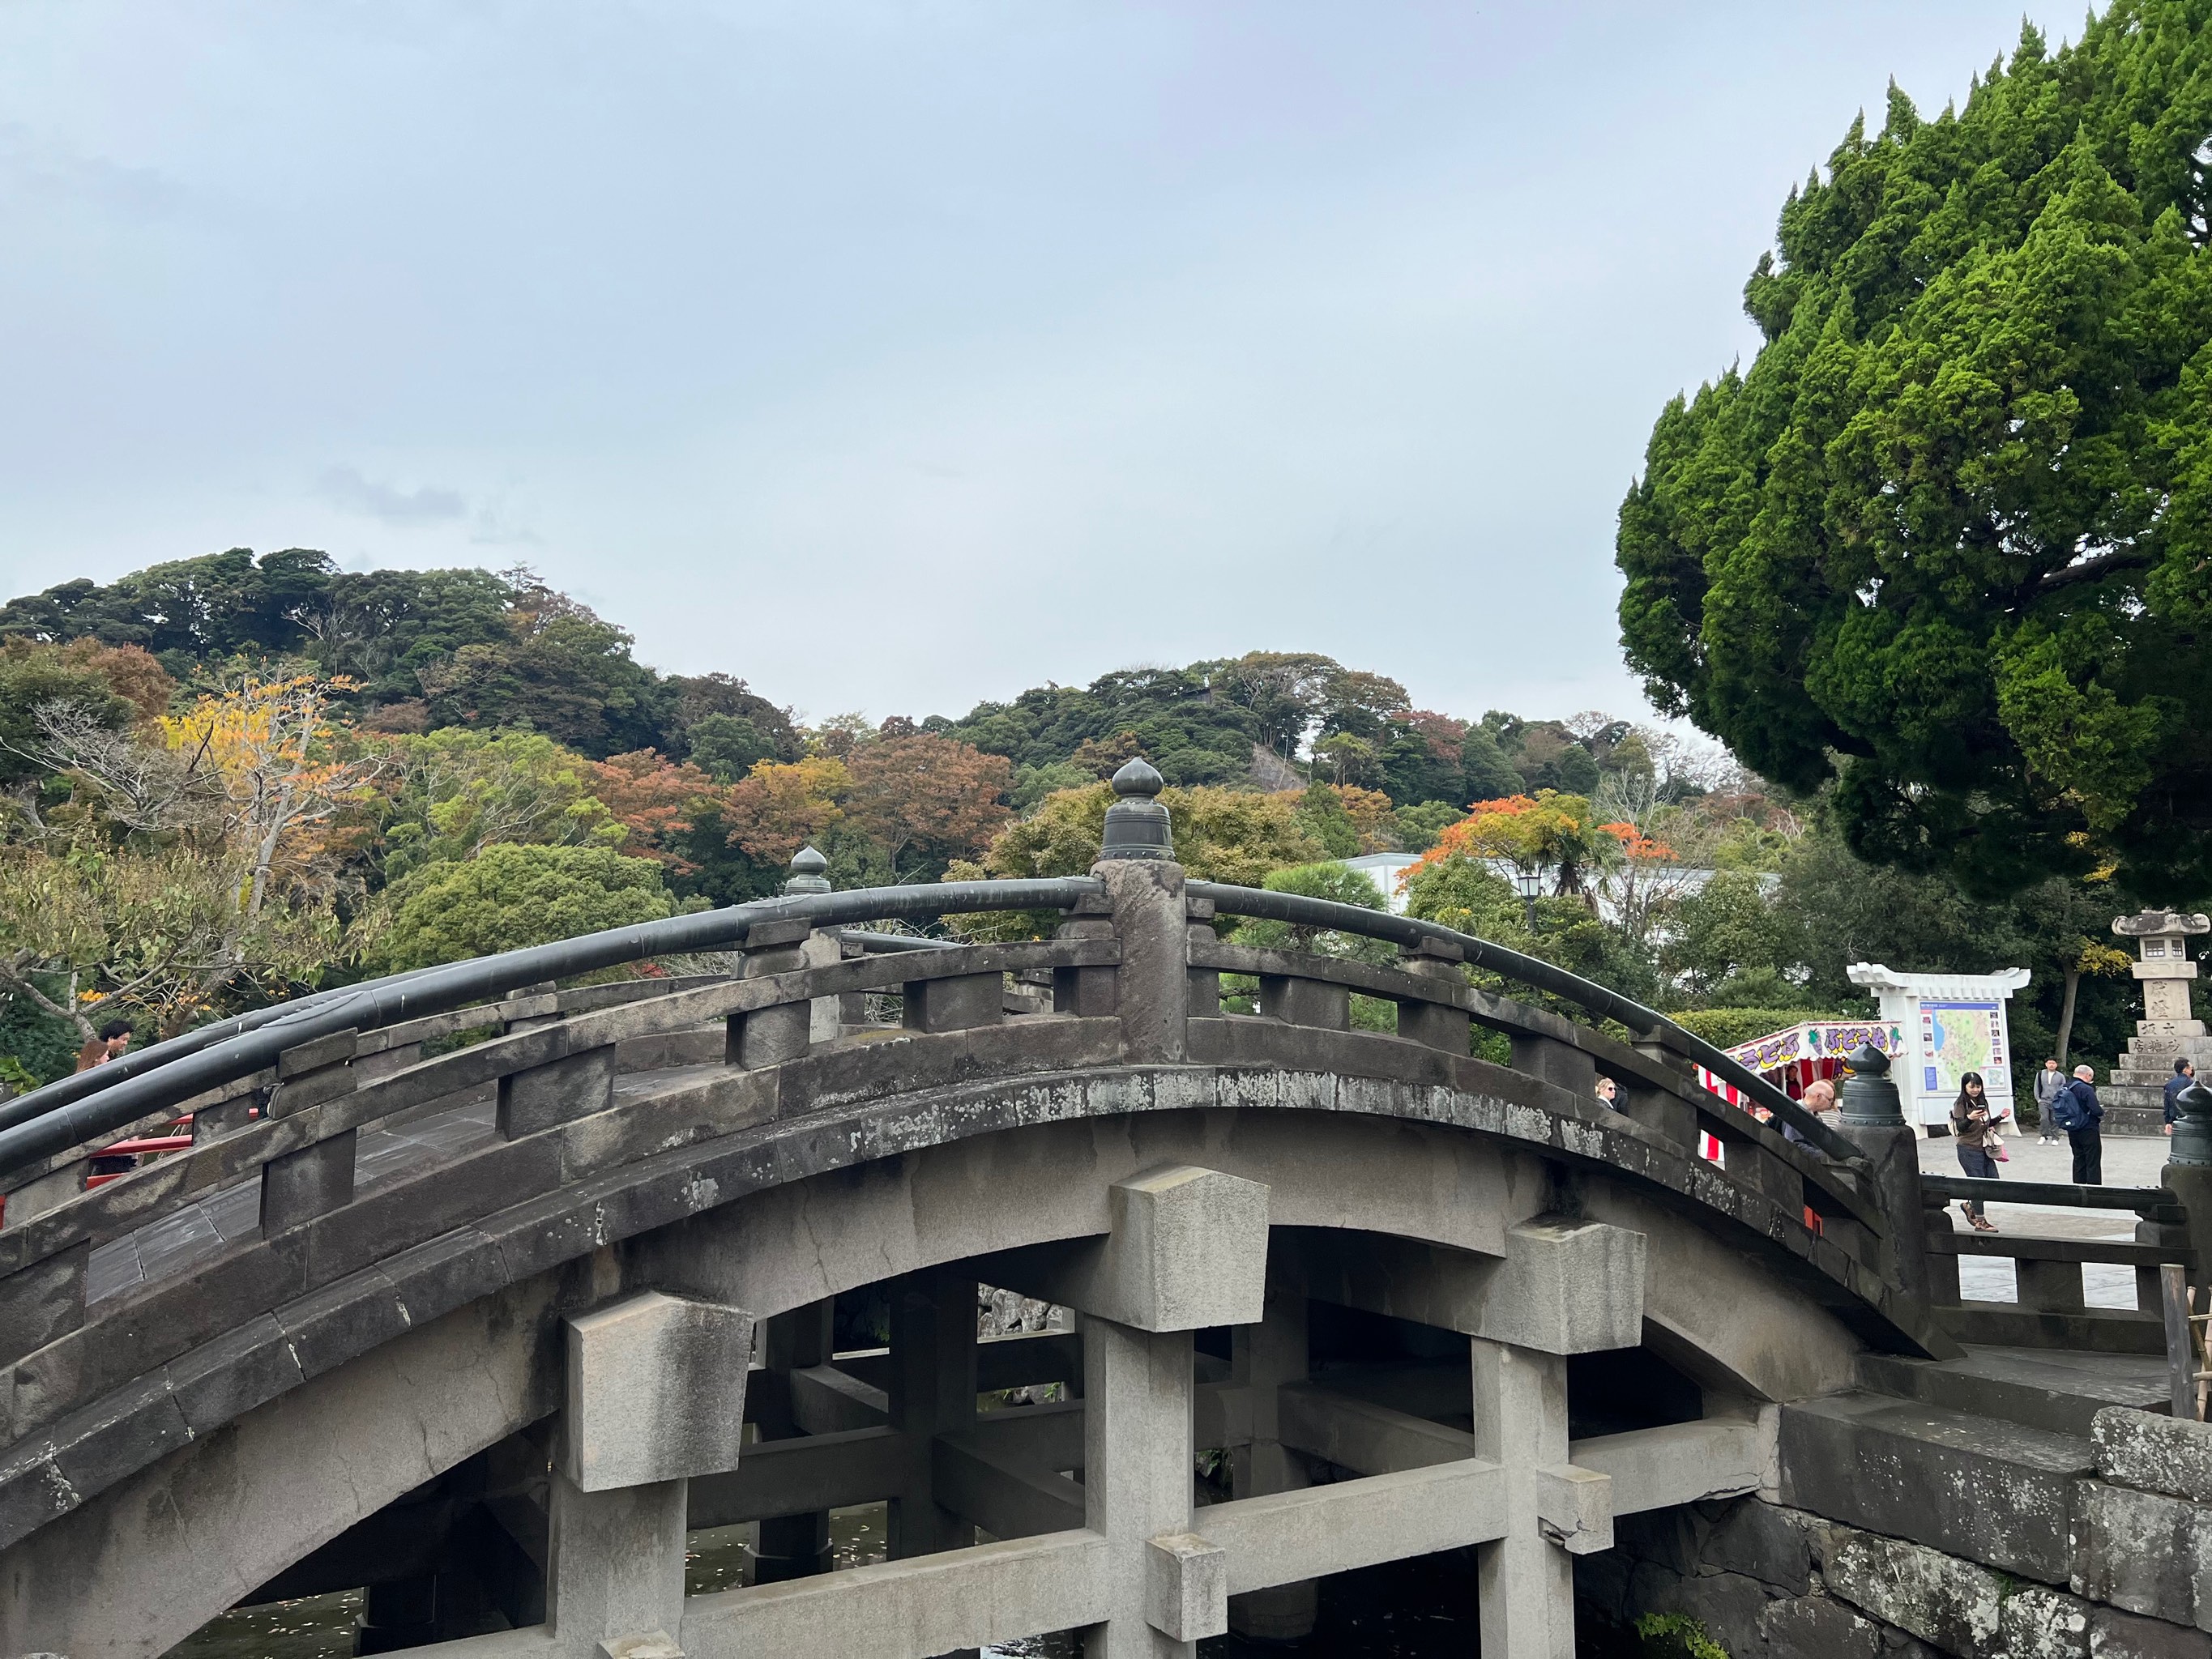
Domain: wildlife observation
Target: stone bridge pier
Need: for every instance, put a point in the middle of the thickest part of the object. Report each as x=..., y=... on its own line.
x=652, y=1443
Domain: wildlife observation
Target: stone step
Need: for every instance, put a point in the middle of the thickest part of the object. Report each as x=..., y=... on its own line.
x=2089, y=1330
x=2135, y=1120
x=1969, y=1483
x=2056, y=1390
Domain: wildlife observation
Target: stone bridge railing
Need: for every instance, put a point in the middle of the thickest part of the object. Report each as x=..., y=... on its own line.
x=94, y=1388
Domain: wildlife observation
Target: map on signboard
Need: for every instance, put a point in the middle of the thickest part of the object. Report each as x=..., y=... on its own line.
x=1958, y=1037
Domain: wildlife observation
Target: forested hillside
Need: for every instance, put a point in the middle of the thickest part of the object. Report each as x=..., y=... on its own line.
x=232, y=777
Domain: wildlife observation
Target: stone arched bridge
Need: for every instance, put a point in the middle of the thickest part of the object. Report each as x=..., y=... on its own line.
x=490, y=1330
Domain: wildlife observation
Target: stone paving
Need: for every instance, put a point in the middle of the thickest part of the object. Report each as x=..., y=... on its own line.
x=183, y=1240
x=179, y=1242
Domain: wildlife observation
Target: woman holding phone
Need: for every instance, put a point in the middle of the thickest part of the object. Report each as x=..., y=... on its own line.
x=1972, y=1120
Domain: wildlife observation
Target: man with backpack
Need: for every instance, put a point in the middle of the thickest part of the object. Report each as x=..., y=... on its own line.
x=2076, y=1109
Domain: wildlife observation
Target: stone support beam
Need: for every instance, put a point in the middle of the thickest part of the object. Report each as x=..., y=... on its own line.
x=1358, y=1523
x=1006, y=1497
x=960, y=1599
x=826, y=1401
x=800, y=1400
x=1358, y=1434
x=1679, y=1463
x=813, y=1473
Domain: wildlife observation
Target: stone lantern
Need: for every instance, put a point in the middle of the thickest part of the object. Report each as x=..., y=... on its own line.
x=2169, y=1030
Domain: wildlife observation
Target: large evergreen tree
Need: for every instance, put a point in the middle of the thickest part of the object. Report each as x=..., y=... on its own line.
x=1949, y=537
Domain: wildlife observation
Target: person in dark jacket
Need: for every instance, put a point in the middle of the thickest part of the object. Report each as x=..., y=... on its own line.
x=2082, y=1116
x=1970, y=1128
x=2184, y=1075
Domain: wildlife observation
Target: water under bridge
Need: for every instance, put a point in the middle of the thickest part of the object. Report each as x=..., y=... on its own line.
x=496, y=1328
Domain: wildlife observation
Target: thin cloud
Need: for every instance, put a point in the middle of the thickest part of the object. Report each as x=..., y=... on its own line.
x=344, y=488
x=34, y=164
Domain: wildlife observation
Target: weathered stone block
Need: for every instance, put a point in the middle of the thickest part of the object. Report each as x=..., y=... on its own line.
x=957, y=1004
x=297, y=1092
x=1435, y=1025
x=1189, y=1250
x=1567, y=1287
x=2154, y=1453
x=2037, y=1623
x=2146, y=1553
x=1305, y=1002
x=313, y=1056
x=571, y=1087
x=651, y=1644
x=1815, y=1627
x=1731, y=1606
x=656, y=1391
x=1186, y=1586
x=1952, y=1603
x=1756, y=1537
x=1989, y=1491
x=1556, y=1062
x=299, y=1185
x=1574, y=1507
x=42, y=1302
x=2116, y=1635
x=1152, y=986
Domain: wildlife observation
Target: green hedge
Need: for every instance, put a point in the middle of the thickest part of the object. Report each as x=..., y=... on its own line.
x=1724, y=1028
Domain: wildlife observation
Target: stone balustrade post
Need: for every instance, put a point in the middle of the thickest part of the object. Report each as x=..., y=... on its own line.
x=2188, y=1175
x=1144, y=888
x=1436, y=1025
x=768, y=1036
x=1205, y=982
x=1874, y=1121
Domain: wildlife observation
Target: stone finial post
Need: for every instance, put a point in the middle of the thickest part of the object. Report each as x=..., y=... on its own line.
x=1868, y=1098
x=2193, y=1128
x=807, y=868
x=1144, y=890
x=1137, y=825
x=1874, y=1121
x=2188, y=1175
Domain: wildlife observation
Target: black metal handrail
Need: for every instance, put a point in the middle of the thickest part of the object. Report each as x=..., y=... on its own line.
x=71, y=1112
x=39, y=1102
x=1299, y=911
x=75, y=1109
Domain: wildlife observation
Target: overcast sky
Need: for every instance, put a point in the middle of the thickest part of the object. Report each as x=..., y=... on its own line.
x=896, y=357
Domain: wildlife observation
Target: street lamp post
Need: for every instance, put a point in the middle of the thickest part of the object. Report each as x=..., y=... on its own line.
x=1530, y=882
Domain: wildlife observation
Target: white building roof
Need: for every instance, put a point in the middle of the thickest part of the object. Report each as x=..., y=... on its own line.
x=1966, y=986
